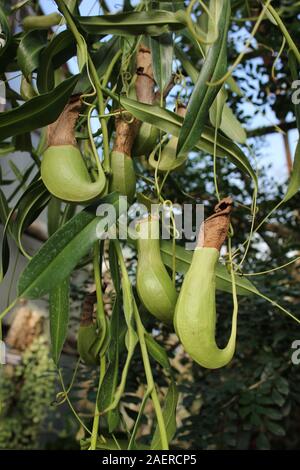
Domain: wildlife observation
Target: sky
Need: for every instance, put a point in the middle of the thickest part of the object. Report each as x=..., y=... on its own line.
x=274, y=152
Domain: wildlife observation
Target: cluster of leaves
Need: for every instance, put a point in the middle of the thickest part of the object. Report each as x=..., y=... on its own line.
x=25, y=394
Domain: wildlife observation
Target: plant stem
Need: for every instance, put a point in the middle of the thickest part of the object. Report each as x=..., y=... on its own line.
x=101, y=106
x=97, y=275
x=70, y=404
x=8, y=309
x=145, y=356
x=275, y=304
x=150, y=381
x=102, y=328
x=96, y=420
x=110, y=67
x=273, y=269
x=284, y=31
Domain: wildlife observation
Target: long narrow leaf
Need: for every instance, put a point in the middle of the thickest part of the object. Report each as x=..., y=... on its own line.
x=59, y=317
x=57, y=52
x=4, y=214
x=203, y=95
x=223, y=278
x=294, y=183
x=117, y=327
x=29, y=51
x=31, y=205
x=170, y=122
x=60, y=254
x=162, y=58
x=169, y=416
x=5, y=30
x=8, y=228
x=153, y=23
x=38, y=111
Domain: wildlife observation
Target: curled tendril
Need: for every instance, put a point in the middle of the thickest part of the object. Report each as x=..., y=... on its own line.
x=60, y=398
x=178, y=78
x=126, y=116
x=126, y=76
x=198, y=34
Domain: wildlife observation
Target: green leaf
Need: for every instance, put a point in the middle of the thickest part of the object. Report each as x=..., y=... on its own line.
x=190, y=69
x=23, y=142
x=8, y=228
x=262, y=442
x=82, y=53
x=153, y=23
x=245, y=411
x=282, y=386
x=132, y=443
x=23, y=180
x=57, y=258
x=131, y=338
x=294, y=183
x=271, y=413
x=293, y=65
x=8, y=60
x=203, y=95
x=232, y=127
x=170, y=122
x=157, y=352
x=223, y=278
x=6, y=148
x=109, y=385
x=228, y=123
x=53, y=215
x=29, y=51
x=110, y=444
x=5, y=252
x=216, y=109
x=169, y=415
x=4, y=209
x=5, y=31
x=275, y=428
x=59, y=317
x=127, y=5
x=31, y=205
x=57, y=52
x=277, y=398
x=162, y=59
x=255, y=419
x=101, y=59
x=234, y=87
x=117, y=330
x=15, y=169
x=162, y=118
x=38, y=111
